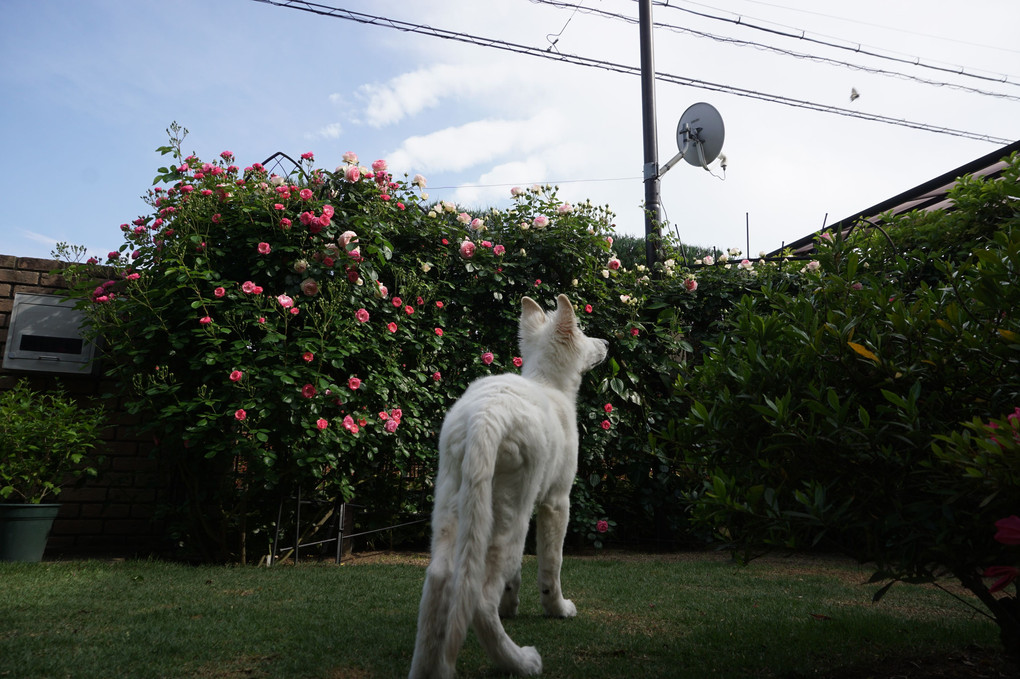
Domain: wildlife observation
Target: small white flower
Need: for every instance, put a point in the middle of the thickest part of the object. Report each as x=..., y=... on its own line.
x=426, y=267
x=605, y=273
x=419, y=181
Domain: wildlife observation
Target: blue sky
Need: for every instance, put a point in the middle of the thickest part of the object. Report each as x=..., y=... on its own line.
x=89, y=87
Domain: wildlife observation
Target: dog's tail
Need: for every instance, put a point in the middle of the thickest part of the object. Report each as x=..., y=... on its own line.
x=473, y=530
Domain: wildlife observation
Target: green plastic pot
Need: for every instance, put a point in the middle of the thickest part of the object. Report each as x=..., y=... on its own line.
x=24, y=530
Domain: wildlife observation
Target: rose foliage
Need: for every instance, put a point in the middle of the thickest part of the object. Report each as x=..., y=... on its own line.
x=307, y=333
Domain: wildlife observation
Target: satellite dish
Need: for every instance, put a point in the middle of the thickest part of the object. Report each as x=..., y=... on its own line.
x=699, y=134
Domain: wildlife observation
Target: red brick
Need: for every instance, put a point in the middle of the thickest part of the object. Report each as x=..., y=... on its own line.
x=34, y=264
x=22, y=277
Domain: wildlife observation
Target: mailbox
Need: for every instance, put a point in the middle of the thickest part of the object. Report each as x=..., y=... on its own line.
x=45, y=335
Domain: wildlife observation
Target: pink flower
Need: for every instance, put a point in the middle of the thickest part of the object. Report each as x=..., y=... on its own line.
x=248, y=287
x=321, y=423
x=361, y=315
x=419, y=301
x=498, y=250
x=383, y=415
x=634, y=332
x=136, y=276
x=396, y=414
x=295, y=311
x=439, y=305
x=352, y=173
x=351, y=157
x=602, y=526
x=235, y=376
x=306, y=194
x=467, y=249
x=349, y=425
x=587, y=308
x=565, y=208
x=240, y=415
x=518, y=361
x=353, y=383
x=690, y=284
x=397, y=302
x=205, y=320
x=279, y=206
x=113, y=255
x=285, y=301
x=262, y=319
x=308, y=391
x=436, y=376
x=307, y=155
x=540, y=222
x=606, y=424
x=392, y=327
x=408, y=309
x=1009, y=530
x=608, y=408
x=379, y=166
x=310, y=287
x=487, y=358
x=614, y=264
x=1005, y=575
x=308, y=357
x=391, y=425
x=439, y=331
x=264, y=248
x=219, y=292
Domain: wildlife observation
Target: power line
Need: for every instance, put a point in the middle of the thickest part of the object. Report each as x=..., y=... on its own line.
x=421, y=29
x=777, y=50
x=857, y=48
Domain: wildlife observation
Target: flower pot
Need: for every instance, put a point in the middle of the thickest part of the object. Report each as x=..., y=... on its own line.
x=24, y=529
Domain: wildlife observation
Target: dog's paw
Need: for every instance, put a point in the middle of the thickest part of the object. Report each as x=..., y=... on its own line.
x=564, y=608
x=530, y=663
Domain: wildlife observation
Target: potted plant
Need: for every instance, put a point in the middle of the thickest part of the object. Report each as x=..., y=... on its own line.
x=46, y=440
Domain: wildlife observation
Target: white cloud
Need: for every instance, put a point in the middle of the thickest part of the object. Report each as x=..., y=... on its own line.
x=494, y=186
x=331, y=131
x=483, y=141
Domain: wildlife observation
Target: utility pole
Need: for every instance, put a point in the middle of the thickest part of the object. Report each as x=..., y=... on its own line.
x=651, y=171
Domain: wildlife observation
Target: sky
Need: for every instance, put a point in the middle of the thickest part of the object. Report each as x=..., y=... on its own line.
x=89, y=88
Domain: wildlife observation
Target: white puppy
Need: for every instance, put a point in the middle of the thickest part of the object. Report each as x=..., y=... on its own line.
x=508, y=444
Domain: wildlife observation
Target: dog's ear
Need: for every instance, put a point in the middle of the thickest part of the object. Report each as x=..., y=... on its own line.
x=566, y=323
x=532, y=314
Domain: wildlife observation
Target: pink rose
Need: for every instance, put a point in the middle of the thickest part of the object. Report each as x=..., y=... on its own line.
x=353, y=383
x=235, y=376
x=634, y=332
x=614, y=264
x=205, y=320
x=361, y=315
x=351, y=157
x=392, y=327
x=308, y=391
x=352, y=173
x=264, y=248
x=498, y=250
x=349, y=425
x=307, y=155
x=240, y=415
x=439, y=331
x=690, y=285
x=248, y=287
x=391, y=425
x=219, y=292
x=518, y=361
x=379, y=166
x=587, y=308
x=321, y=423
x=308, y=357
x=606, y=424
x=1009, y=530
x=306, y=194
x=436, y=376
x=540, y=222
x=565, y=208
x=608, y=408
x=487, y=358
x=408, y=309
x=467, y=249
x=310, y=287
x=602, y=526
x=285, y=301
x=397, y=302
x=113, y=255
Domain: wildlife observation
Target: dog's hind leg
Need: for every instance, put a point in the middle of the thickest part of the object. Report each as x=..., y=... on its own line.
x=511, y=597
x=507, y=655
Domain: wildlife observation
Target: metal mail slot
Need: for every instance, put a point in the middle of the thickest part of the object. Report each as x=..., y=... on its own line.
x=45, y=335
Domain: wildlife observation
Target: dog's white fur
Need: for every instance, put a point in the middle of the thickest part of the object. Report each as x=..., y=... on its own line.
x=508, y=444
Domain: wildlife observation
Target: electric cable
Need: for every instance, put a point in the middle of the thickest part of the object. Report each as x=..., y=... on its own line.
x=421, y=29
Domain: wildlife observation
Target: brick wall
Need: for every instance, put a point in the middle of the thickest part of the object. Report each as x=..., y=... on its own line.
x=114, y=514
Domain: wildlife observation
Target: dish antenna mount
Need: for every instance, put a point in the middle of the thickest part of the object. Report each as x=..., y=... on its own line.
x=699, y=136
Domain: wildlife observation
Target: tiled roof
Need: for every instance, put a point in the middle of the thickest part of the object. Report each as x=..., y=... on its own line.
x=931, y=195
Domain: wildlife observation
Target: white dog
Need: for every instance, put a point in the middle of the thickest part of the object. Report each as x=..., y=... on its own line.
x=509, y=443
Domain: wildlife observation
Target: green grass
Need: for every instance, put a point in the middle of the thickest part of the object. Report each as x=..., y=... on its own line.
x=682, y=616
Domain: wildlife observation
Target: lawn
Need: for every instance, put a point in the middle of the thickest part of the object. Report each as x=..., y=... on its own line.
x=639, y=616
